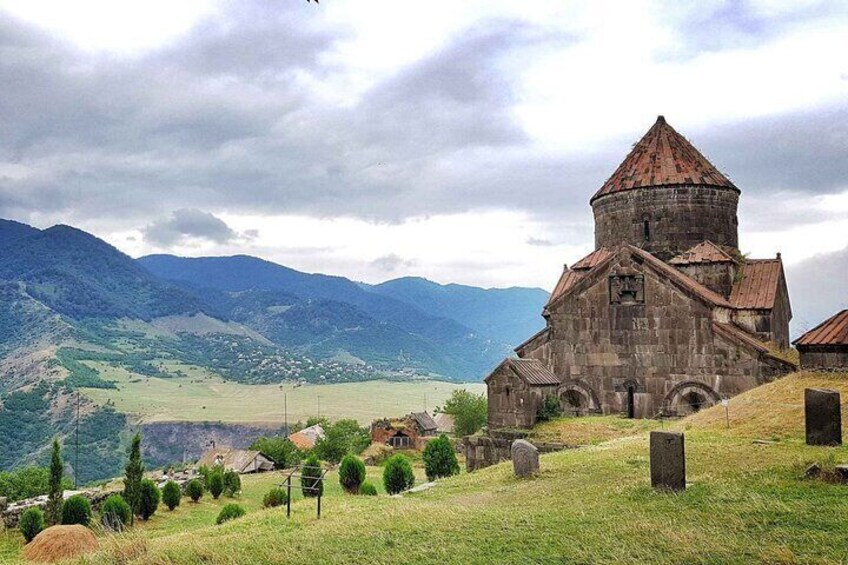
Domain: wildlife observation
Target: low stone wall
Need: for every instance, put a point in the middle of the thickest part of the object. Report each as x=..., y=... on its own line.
x=11, y=515
x=485, y=450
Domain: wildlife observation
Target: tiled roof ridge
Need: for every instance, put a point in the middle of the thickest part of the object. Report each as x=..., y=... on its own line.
x=704, y=252
x=832, y=331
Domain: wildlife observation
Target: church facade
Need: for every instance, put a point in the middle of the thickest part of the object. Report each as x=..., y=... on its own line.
x=665, y=316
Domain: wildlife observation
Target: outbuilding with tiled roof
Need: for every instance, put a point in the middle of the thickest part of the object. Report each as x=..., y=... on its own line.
x=825, y=347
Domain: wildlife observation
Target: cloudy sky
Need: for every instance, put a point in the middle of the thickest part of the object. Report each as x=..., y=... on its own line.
x=457, y=140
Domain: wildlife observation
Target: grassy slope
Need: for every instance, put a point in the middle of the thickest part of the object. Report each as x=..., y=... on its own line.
x=184, y=398
x=745, y=503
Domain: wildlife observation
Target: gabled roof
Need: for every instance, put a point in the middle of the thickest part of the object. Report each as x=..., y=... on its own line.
x=531, y=371
x=704, y=252
x=239, y=460
x=592, y=259
x=568, y=279
x=444, y=422
x=307, y=437
x=663, y=157
x=424, y=421
x=758, y=286
x=833, y=331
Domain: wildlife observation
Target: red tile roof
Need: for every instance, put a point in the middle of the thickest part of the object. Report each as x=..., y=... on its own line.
x=704, y=252
x=592, y=259
x=663, y=157
x=568, y=279
x=833, y=331
x=758, y=287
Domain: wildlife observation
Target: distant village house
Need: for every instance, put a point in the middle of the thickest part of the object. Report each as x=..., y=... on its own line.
x=825, y=347
x=239, y=460
x=410, y=432
x=306, y=438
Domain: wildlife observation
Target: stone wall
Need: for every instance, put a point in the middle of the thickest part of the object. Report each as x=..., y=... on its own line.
x=677, y=218
x=486, y=450
x=12, y=514
x=512, y=402
x=717, y=277
x=824, y=357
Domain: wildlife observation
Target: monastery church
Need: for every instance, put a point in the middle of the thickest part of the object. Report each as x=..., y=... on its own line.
x=665, y=316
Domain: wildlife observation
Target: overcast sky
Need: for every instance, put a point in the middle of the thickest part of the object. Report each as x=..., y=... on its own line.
x=456, y=140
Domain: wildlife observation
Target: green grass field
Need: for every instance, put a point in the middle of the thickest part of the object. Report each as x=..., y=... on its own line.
x=202, y=396
x=746, y=502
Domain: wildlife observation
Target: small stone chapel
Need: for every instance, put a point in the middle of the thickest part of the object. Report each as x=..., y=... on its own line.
x=665, y=316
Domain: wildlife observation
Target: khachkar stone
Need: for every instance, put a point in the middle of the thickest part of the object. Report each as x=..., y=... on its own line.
x=525, y=458
x=822, y=417
x=668, y=461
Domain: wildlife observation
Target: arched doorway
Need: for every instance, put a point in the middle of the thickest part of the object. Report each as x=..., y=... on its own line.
x=689, y=397
x=631, y=400
x=573, y=402
x=692, y=402
x=576, y=398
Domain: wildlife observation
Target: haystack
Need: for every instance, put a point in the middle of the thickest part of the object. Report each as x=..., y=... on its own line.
x=60, y=542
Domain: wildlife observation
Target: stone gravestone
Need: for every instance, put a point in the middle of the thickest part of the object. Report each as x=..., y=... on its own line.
x=668, y=461
x=822, y=417
x=525, y=458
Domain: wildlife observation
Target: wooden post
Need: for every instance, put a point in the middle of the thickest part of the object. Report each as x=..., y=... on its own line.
x=288, y=498
x=319, y=504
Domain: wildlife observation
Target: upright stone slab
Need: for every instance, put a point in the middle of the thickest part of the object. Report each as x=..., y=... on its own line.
x=668, y=461
x=525, y=458
x=822, y=417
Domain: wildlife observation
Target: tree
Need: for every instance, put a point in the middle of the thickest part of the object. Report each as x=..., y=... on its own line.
x=171, y=495
x=76, y=510
x=549, y=409
x=27, y=482
x=115, y=514
x=351, y=473
x=31, y=524
x=279, y=449
x=310, y=482
x=341, y=438
x=440, y=458
x=469, y=411
x=194, y=489
x=148, y=499
x=397, y=474
x=134, y=473
x=232, y=483
x=216, y=483
x=55, y=496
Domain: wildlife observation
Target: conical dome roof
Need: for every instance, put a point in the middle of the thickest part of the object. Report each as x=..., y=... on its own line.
x=663, y=157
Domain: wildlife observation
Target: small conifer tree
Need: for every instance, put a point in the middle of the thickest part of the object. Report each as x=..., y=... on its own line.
x=171, y=495
x=53, y=510
x=216, y=483
x=134, y=473
x=310, y=482
x=440, y=458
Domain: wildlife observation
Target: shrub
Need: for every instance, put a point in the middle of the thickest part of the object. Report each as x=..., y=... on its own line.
x=232, y=483
x=76, y=510
x=341, y=438
x=275, y=497
x=194, y=489
x=310, y=482
x=351, y=473
x=368, y=489
x=469, y=411
x=229, y=512
x=205, y=473
x=148, y=499
x=440, y=458
x=397, y=474
x=549, y=409
x=280, y=449
x=216, y=483
x=31, y=524
x=171, y=495
x=115, y=514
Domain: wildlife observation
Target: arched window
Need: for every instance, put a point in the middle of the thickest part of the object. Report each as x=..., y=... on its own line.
x=646, y=229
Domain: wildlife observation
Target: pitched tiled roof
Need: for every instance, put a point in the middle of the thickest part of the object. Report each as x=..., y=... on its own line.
x=307, y=437
x=758, y=286
x=425, y=421
x=592, y=259
x=833, y=331
x=533, y=371
x=568, y=279
x=239, y=460
x=663, y=157
x=704, y=252
x=571, y=276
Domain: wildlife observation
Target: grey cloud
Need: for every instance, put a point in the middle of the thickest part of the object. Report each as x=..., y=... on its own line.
x=539, y=242
x=188, y=223
x=391, y=262
x=817, y=289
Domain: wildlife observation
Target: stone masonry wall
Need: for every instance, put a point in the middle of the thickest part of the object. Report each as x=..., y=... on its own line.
x=486, y=450
x=824, y=358
x=512, y=403
x=678, y=218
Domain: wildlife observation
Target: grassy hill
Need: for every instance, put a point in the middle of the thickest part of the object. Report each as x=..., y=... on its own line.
x=745, y=502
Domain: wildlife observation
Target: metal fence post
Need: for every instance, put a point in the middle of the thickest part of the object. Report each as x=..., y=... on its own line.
x=288, y=498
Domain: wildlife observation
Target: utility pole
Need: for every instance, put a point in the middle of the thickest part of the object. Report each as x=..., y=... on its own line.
x=76, y=456
x=286, y=411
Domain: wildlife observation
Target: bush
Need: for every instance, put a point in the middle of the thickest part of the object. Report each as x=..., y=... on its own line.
x=31, y=524
x=275, y=497
x=194, y=489
x=469, y=411
x=397, y=474
x=115, y=514
x=310, y=482
x=351, y=473
x=76, y=510
x=341, y=438
x=368, y=489
x=232, y=483
x=280, y=449
x=205, y=473
x=216, y=483
x=171, y=495
x=549, y=409
x=230, y=512
x=440, y=458
x=148, y=499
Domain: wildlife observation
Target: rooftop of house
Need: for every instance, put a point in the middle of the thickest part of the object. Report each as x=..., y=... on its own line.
x=833, y=331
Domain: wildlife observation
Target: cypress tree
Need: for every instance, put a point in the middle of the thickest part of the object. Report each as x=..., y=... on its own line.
x=133, y=474
x=53, y=511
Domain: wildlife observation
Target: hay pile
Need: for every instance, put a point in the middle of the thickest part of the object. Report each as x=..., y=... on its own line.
x=60, y=542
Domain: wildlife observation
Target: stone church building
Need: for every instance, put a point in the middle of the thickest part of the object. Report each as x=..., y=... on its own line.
x=665, y=315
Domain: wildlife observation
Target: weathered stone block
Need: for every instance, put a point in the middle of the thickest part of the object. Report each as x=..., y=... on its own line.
x=668, y=461
x=525, y=458
x=822, y=417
